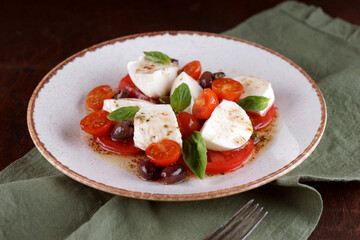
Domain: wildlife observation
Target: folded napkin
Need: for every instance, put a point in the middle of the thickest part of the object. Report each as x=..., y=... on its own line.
x=39, y=202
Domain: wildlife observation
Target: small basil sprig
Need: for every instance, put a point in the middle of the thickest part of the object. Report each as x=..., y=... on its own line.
x=194, y=154
x=124, y=113
x=254, y=103
x=158, y=57
x=181, y=98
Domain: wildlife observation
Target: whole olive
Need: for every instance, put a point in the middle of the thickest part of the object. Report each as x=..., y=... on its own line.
x=123, y=93
x=175, y=61
x=122, y=130
x=218, y=75
x=164, y=100
x=206, y=79
x=147, y=170
x=173, y=173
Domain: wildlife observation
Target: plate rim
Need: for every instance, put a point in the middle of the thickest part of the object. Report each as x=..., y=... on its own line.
x=171, y=197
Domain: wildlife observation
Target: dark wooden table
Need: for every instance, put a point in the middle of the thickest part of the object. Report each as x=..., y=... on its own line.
x=35, y=36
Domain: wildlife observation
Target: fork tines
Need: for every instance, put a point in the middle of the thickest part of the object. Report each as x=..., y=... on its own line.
x=241, y=224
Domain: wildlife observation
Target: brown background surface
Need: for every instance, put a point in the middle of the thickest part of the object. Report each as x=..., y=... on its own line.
x=35, y=36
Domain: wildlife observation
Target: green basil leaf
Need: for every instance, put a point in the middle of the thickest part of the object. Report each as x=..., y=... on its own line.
x=194, y=154
x=124, y=113
x=254, y=103
x=181, y=98
x=158, y=57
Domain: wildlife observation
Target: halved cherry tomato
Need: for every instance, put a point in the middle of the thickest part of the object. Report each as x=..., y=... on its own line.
x=96, y=123
x=220, y=162
x=127, y=83
x=95, y=98
x=259, y=122
x=193, y=69
x=227, y=88
x=118, y=147
x=205, y=104
x=164, y=152
x=187, y=123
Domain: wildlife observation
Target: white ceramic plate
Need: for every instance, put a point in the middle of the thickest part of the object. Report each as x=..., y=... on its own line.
x=57, y=106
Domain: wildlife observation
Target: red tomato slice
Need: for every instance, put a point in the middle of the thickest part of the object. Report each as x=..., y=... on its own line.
x=124, y=147
x=96, y=123
x=127, y=83
x=164, y=152
x=259, y=122
x=193, y=69
x=187, y=123
x=227, y=88
x=205, y=104
x=220, y=162
x=95, y=98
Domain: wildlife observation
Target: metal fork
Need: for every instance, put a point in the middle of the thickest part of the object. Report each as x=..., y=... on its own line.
x=241, y=224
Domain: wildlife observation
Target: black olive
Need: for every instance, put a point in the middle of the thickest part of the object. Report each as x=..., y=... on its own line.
x=173, y=173
x=206, y=79
x=175, y=61
x=122, y=130
x=123, y=93
x=147, y=170
x=164, y=100
x=218, y=75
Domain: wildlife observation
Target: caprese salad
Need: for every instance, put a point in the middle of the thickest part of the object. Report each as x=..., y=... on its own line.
x=183, y=119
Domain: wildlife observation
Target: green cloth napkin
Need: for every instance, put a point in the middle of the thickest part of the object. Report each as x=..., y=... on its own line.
x=39, y=202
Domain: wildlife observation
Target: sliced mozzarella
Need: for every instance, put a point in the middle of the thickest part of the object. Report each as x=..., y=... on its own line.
x=153, y=79
x=228, y=127
x=154, y=123
x=255, y=86
x=111, y=105
x=195, y=88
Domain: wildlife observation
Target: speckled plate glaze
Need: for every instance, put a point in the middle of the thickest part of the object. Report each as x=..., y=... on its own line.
x=57, y=106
